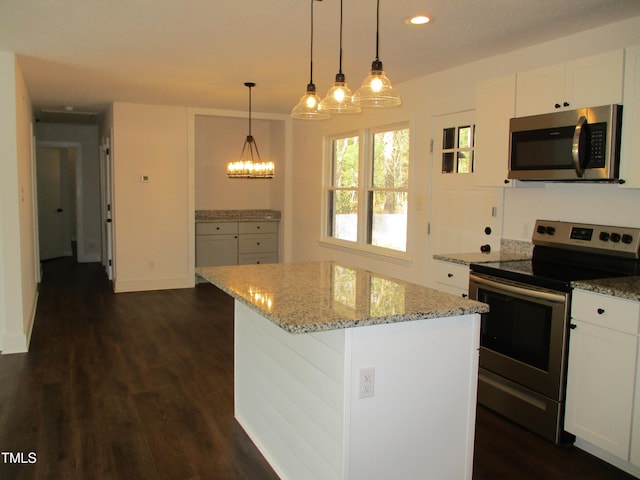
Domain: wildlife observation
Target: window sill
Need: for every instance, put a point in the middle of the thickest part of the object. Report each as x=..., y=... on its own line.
x=401, y=258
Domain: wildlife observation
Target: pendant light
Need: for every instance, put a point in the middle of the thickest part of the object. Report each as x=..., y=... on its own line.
x=376, y=90
x=307, y=107
x=247, y=166
x=338, y=99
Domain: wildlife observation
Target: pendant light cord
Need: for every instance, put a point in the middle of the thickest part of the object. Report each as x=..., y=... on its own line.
x=340, y=67
x=377, y=29
x=311, y=48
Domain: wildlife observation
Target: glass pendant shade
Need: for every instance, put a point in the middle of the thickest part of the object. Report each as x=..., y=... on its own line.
x=339, y=98
x=376, y=90
x=307, y=107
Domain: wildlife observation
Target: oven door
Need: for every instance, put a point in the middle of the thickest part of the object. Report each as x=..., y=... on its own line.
x=524, y=335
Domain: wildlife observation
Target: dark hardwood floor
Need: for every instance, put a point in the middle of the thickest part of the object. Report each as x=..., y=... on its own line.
x=139, y=386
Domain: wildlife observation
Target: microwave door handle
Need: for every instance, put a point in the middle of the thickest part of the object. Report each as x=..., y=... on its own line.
x=578, y=148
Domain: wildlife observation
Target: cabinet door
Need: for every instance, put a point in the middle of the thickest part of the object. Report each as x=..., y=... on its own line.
x=595, y=80
x=630, y=148
x=587, y=82
x=495, y=105
x=600, y=384
x=214, y=250
x=539, y=90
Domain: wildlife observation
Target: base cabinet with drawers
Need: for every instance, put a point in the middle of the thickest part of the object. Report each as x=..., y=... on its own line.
x=236, y=243
x=603, y=378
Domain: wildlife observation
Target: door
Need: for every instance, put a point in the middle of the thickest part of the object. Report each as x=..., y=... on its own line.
x=50, y=221
x=107, y=206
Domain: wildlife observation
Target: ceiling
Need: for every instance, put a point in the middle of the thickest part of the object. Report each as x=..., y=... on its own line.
x=89, y=53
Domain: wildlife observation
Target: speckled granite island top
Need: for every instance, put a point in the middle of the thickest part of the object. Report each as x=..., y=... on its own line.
x=621, y=287
x=319, y=296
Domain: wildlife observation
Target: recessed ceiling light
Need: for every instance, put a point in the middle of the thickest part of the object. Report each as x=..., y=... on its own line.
x=418, y=20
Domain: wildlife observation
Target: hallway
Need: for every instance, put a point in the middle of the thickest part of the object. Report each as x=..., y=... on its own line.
x=139, y=385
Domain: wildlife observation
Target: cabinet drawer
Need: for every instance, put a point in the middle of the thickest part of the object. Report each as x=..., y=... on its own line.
x=609, y=312
x=258, y=243
x=214, y=228
x=258, y=227
x=249, y=258
x=452, y=274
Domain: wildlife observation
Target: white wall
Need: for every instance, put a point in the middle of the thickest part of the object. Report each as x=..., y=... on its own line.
x=88, y=187
x=219, y=140
x=447, y=92
x=18, y=251
x=154, y=220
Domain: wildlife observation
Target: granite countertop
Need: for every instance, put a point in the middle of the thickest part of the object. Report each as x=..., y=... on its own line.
x=320, y=296
x=510, y=250
x=479, y=257
x=237, y=216
x=621, y=287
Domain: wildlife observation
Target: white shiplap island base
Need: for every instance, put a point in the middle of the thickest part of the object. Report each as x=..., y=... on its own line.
x=304, y=332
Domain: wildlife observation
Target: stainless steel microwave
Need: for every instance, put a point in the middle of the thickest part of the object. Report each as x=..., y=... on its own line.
x=571, y=145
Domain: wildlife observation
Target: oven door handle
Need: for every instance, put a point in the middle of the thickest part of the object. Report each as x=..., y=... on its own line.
x=530, y=292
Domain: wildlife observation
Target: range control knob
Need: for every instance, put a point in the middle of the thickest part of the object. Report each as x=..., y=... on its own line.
x=550, y=230
x=615, y=237
x=604, y=236
x=626, y=238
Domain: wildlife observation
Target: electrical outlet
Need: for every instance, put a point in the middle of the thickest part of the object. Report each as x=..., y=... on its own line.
x=366, y=382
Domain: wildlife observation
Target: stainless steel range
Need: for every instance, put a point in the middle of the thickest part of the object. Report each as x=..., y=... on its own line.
x=525, y=336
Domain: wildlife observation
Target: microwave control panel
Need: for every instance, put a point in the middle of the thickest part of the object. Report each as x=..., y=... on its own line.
x=602, y=239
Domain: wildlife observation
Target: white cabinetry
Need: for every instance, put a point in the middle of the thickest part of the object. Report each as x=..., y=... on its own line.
x=587, y=82
x=602, y=374
x=495, y=105
x=630, y=148
x=216, y=244
x=258, y=242
x=451, y=277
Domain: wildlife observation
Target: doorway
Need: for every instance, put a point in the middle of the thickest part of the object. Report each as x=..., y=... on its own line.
x=56, y=173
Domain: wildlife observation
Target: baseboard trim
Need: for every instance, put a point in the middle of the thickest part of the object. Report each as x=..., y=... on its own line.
x=121, y=286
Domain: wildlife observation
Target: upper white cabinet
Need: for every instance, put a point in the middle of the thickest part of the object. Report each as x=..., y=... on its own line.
x=495, y=105
x=630, y=148
x=587, y=82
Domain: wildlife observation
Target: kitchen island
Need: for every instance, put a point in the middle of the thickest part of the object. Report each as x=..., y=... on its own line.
x=341, y=373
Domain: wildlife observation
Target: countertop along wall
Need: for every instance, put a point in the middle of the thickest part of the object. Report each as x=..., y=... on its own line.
x=442, y=93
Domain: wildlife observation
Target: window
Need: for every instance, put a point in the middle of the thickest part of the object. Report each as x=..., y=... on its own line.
x=457, y=149
x=368, y=189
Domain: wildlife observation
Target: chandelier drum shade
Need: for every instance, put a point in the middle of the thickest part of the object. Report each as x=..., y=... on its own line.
x=250, y=164
x=376, y=90
x=307, y=107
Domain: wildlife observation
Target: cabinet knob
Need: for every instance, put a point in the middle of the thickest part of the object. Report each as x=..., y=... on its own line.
x=258, y=227
x=257, y=243
x=557, y=105
x=600, y=311
x=464, y=295
x=506, y=182
x=449, y=275
x=565, y=104
x=573, y=326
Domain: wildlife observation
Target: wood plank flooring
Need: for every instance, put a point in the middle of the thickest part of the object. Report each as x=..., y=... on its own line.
x=139, y=386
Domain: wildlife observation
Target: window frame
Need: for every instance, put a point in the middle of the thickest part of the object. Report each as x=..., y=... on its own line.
x=364, y=187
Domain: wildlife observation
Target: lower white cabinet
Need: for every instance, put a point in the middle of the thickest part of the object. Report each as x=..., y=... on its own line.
x=451, y=277
x=602, y=376
x=236, y=243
